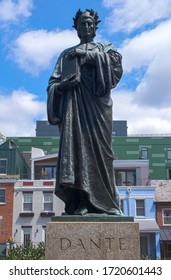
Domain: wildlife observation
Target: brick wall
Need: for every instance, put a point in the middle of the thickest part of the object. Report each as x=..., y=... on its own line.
x=6, y=212
x=159, y=216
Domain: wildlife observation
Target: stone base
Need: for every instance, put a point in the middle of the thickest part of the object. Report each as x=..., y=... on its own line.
x=91, y=240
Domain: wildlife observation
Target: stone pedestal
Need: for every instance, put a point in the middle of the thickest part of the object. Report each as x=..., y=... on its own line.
x=92, y=238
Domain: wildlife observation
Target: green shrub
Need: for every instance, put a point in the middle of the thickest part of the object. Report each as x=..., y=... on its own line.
x=146, y=257
x=27, y=252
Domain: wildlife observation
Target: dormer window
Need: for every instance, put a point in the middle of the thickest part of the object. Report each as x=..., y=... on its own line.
x=167, y=216
x=3, y=166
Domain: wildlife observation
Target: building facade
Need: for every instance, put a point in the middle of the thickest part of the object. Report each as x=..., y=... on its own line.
x=6, y=212
x=43, y=128
x=43, y=166
x=131, y=172
x=156, y=149
x=34, y=205
x=12, y=161
x=163, y=216
x=35, y=202
x=138, y=201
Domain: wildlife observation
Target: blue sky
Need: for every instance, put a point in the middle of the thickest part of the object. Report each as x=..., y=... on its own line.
x=34, y=32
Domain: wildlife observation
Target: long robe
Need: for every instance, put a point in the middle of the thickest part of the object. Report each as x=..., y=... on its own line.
x=84, y=116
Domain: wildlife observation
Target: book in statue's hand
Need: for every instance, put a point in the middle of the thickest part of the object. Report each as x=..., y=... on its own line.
x=70, y=68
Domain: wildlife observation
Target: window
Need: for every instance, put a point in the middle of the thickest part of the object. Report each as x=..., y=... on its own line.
x=122, y=205
x=27, y=236
x=144, y=246
x=46, y=172
x=3, y=166
x=166, y=216
x=168, y=155
x=27, y=202
x=169, y=174
x=125, y=177
x=0, y=225
x=140, y=207
x=50, y=171
x=44, y=233
x=167, y=251
x=144, y=153
x=2, y=195
x=48, y=201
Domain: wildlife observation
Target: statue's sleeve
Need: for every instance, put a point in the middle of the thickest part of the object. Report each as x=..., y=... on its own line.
x=54, y=100
x=108, y=64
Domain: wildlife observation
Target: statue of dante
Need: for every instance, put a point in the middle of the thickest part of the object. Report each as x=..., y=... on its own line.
x=79, y=102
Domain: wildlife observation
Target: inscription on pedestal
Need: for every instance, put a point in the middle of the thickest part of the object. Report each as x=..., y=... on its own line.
x=92, y=244
x=92, y=241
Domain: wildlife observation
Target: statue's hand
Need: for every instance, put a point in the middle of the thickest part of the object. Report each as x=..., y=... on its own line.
x=76, y=52
x=68, y=82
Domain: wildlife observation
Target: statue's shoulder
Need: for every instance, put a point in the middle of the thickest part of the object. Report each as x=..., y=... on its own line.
x=68, y=49
x=64, y=52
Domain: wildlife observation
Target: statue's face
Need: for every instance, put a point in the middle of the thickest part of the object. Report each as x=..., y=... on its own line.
x=86, y=28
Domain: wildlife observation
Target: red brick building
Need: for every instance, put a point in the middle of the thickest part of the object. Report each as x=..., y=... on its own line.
x=6, y=211
x=163, y=217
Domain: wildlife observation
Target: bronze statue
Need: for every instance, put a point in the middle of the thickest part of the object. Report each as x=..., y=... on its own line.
x=79, y=102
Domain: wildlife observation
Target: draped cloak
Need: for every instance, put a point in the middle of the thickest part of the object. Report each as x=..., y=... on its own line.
x=84, y=116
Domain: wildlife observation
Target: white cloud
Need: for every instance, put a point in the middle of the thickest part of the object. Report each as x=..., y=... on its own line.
x=18, y=112
x=12, y=10
x=143, y=48
x=130, y=15
x=146, y=62
x=140, y=120
x=152, y=50
x=18, y=119
x=34, y=50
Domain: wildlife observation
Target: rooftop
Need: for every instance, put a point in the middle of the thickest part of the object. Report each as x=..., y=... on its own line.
x=163, y=191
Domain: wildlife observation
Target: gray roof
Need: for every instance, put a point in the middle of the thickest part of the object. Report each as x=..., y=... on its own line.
x=163, y=193
x=147, y=225
x=165, y=234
